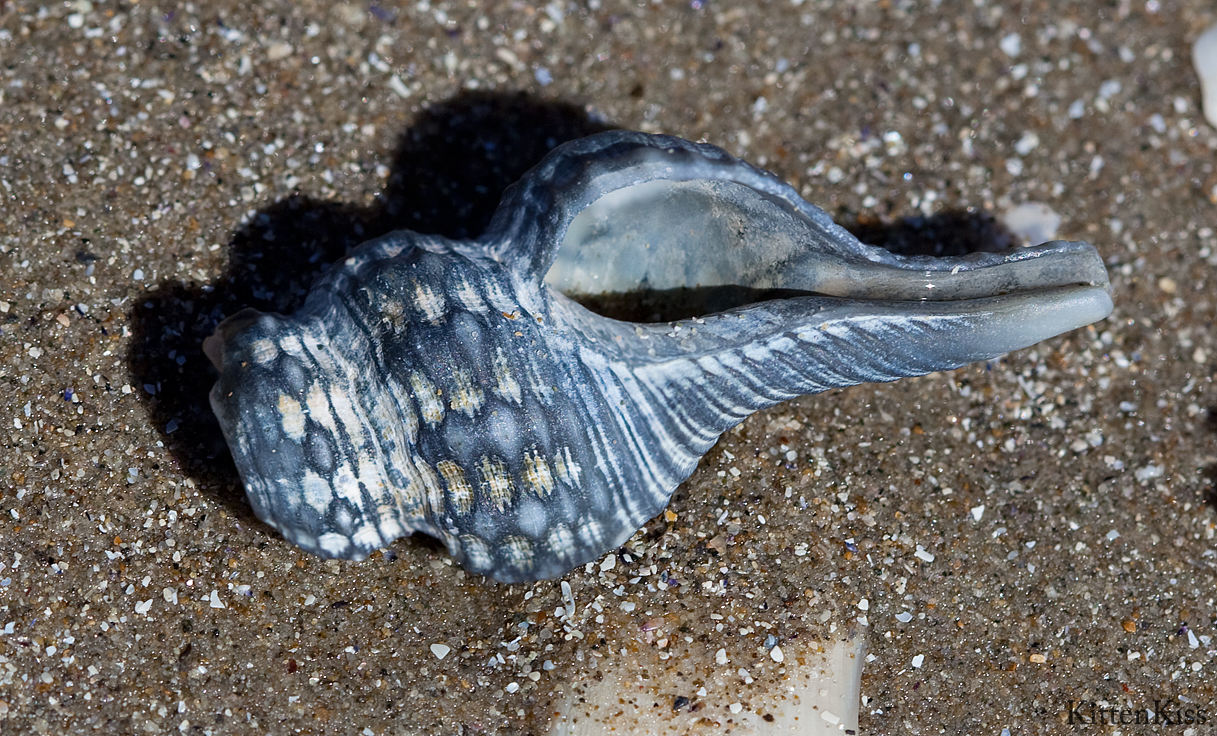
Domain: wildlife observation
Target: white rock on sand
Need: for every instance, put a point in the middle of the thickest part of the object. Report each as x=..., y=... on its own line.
x=1035, y=222
x=1204, y=58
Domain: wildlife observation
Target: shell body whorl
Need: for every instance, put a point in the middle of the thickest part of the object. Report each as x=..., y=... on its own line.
x=414, y=393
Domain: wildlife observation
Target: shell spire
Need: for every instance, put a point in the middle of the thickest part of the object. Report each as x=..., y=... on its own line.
x=458, y=389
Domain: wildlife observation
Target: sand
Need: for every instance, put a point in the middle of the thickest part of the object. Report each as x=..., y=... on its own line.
x=1005, y=540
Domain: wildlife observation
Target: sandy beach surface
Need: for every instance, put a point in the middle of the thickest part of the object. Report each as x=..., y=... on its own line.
x=1006, y=541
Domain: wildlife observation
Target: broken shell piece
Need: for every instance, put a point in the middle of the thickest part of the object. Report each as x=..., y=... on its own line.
x=817, y=693
x=453, y=388
x=1204, y=59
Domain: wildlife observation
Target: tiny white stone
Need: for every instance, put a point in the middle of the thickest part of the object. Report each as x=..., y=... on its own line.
x=922, y=555
x=1204, y=58
x=736, y=707
x=1149, y=472
x=399, y=87
x=215, y=600
x=776, y=654
x=863, y=605
x=1110, y=88
x=978, y=512
x=279, y=50
x=440, y=650
x=720, y=657
x=917, y=660
x=1011, y=45
x=1034, y=221
x=1027, y=143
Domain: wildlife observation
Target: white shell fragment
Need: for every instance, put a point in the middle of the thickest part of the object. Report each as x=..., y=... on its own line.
x=459, y=389
x=440, y=650
x=1204, y=58
x=818, y=694
x=1034, y=222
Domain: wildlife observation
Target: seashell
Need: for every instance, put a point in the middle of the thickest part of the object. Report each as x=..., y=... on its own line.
x=1204, y=60
x=456, y=388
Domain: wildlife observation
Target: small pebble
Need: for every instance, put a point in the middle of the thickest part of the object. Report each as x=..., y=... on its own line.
x=1011, y=45
x=1035, y=222
x=440, y=650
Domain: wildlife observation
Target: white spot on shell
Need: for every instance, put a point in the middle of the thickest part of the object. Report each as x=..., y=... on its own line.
x=292, y=346
x=467, y=397
x=591, y=533
x=292, y=417
x=428, y=398
x=367, y=536
x=560, y=541
x=460, y=493
x=537, y=476
x=469, y=298
x=497, y=483
x=532, y=518
x=506, y=385
x=317, y=491
x=430, y=481
x=263, y=351
x=432, y=305
x=333, y=543
x=518, y=552
x=318, y=404
x=568, y=470
x=476, y=552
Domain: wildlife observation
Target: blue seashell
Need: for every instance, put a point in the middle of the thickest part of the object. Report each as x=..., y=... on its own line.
x=456, y=388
